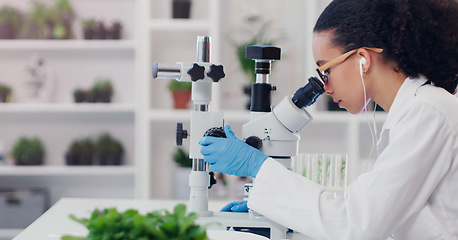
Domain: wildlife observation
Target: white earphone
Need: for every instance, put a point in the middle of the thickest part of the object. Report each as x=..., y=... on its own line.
x=362, y=61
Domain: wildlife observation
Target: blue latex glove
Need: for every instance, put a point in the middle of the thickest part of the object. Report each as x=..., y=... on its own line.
x=231, y=155
x=236, y=207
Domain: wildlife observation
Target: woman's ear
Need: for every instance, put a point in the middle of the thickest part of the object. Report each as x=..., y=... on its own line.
x=365, y=59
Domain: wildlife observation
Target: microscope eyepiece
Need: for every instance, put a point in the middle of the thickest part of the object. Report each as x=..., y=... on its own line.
x=307, y=95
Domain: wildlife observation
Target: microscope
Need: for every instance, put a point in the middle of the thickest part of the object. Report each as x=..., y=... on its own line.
x=273, y=132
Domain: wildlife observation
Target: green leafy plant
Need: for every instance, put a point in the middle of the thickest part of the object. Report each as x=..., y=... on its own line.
x=5, y=93
x=80, y=152
x=130, y=224
x=109, y=150
x=37, y=19
x=179, y=86
x=102, y=90
x=10, y=22
x=88, y=23
x=181, y=157
x=28, y=151
x=247, y=65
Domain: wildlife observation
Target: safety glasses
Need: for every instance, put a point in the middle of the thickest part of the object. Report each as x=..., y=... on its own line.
x=321, y=70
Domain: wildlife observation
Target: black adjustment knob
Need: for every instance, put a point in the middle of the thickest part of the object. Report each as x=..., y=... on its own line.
x=215, y=132
x=212, y=179
x=181, y=134
x=254, y=142
x=263, y=52
x=216, y=72
x=196, y=72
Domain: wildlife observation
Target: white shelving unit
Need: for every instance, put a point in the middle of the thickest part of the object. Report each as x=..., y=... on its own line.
x=67, y=45
x=74, y=63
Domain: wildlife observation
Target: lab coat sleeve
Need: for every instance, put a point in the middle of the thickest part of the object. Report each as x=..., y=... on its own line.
x=378, y=202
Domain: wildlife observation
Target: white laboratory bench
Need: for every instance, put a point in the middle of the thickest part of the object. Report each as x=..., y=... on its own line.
x=55, y=222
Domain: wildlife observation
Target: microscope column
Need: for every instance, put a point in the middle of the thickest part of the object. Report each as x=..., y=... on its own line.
x=199, y=179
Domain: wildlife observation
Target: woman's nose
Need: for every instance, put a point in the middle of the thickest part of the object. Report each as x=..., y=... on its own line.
x=327, y=89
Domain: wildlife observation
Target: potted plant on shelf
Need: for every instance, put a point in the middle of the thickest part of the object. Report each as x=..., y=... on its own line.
x=100, y=30
x=36, y=23
x=89, y=28
x=181, y=8
x=102, y=90
x=66, y=15
x=10, y=22
x=181, y=173
x=73, y=154
x=80, y=152
x=5, y=93
x=109, y=150
x=79, y=95
x=28, y=151
x=115, y=31
x=181, y=93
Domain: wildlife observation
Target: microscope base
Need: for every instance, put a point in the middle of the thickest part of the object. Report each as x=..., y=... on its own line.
x=244, y=222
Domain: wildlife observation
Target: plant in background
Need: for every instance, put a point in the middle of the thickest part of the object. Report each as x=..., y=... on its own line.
x=247, y=65
x=79, y=95
x=116, y=30
x=36, y=23
x=89, y=28
x=28, y=151
x=102, y=90
x=131, y=225
x=80, y=152
x=10, y=22
x=100, y=30
x=181, y=158
x=5, y=93
x=181, y=93
x=66, y=15
x=109, y=150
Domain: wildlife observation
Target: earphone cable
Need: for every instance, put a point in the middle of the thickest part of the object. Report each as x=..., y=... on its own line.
x=371, y=128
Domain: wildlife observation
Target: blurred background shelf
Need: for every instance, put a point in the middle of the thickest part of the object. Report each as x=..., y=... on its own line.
x=62, y=45
x=65, y=108
x=67, y=171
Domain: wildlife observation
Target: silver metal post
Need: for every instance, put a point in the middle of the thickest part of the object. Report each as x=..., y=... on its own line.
x=203, y=49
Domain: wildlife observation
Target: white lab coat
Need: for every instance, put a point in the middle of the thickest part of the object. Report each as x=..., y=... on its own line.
x=411, y=193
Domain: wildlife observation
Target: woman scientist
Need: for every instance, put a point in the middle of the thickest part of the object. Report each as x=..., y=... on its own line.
x=403, y=55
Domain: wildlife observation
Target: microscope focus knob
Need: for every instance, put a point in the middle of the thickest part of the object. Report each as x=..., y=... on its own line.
x=196, y=72
x=254, y=141
x=216, y=72
x=215, y=132
x=181, y=134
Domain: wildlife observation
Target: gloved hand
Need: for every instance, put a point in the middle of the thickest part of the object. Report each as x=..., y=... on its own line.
x=231, y=155
x=240, y=206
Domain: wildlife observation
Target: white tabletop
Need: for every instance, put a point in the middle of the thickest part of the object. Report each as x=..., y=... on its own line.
x=56, y=222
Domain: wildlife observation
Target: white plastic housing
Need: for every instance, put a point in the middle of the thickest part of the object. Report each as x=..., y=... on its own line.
x=292, y=117
x=200, y=123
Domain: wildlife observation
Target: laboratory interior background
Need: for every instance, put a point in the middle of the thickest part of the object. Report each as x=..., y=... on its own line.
x=81, y=115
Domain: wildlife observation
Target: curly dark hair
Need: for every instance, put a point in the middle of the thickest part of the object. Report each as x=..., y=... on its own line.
x=421, y=36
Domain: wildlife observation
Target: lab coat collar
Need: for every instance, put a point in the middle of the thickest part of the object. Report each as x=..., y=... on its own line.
x=407, y=90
